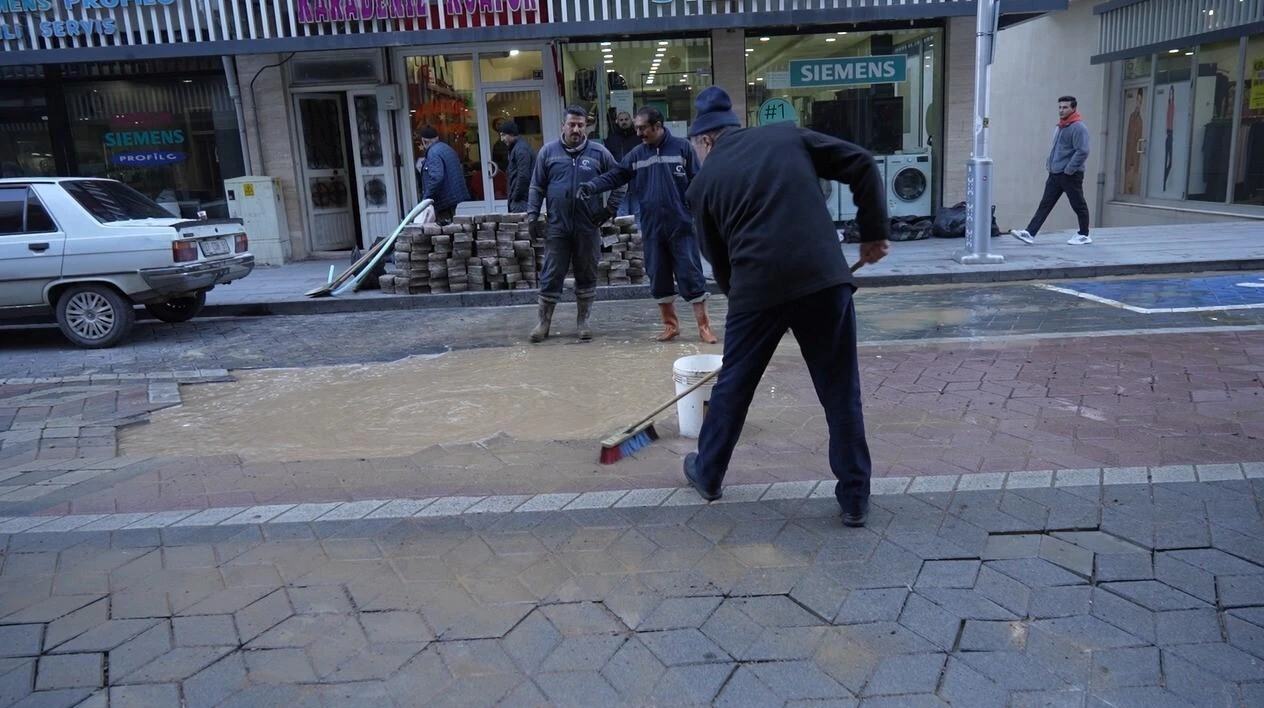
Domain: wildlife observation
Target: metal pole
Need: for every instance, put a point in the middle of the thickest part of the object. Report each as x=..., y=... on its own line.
x=979, y=168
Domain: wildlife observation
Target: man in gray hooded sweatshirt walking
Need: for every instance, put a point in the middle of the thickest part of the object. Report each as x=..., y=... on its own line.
x=1066, y=174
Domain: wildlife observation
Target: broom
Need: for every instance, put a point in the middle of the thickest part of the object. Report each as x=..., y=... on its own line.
x=640, y=434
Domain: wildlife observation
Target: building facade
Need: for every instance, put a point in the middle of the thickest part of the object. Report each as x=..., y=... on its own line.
x=327, y=96
x=1172, y=91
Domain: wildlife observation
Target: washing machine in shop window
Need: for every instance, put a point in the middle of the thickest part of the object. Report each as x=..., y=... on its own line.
x=908, y=185
x=842, y=208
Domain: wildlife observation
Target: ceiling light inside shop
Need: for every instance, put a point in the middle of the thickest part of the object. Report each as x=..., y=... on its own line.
x=610, y=61
x=1173, y=51
x=831, y=39
x=764, y=39
x=605, y=44
x=663, y=43
x=749, y=50
x=759, y=78
x=840, y=33
x=513, y=52
x=1189, y=54
x=683, y=80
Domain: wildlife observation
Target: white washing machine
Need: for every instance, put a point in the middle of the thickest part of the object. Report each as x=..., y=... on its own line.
x=845, y=208
x=908, y=185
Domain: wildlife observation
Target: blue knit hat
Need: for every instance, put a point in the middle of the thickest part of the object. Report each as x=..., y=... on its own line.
x=715, y=110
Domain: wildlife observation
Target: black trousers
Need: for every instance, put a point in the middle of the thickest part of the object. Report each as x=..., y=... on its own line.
x=824, y=323
x=1058, y=184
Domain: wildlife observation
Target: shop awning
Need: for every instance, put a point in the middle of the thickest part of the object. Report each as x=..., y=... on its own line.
x=181, y=28
x=1132, y=28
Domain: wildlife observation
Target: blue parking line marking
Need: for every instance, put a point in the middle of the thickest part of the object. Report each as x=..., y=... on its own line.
x=1240, y=291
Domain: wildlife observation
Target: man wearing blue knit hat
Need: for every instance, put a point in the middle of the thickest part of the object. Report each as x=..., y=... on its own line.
x=762, y=222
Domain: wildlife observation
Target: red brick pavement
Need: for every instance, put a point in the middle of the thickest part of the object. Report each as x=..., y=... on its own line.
x=1027, y=405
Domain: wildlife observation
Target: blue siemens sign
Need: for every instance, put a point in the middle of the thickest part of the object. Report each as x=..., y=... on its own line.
x=847, y=71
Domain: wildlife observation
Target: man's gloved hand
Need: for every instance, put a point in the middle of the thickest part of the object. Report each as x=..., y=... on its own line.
x=584, y=191
x=536, y=227
x=602, y=215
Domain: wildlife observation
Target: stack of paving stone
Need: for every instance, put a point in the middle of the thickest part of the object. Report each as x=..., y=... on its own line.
x=496, y=252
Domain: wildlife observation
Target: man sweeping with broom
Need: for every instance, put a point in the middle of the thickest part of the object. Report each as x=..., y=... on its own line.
x=762, y=222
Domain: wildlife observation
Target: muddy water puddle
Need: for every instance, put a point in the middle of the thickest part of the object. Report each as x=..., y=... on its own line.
x=551, y=392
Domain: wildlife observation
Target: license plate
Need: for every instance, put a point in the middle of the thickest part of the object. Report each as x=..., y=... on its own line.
x=214, y=247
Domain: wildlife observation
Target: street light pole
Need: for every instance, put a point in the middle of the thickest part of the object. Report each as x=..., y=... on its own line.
x=979, y=168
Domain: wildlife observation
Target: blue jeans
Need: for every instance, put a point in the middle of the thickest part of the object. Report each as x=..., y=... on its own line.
x=577, y=251
x=824, y=323
x=668, y=256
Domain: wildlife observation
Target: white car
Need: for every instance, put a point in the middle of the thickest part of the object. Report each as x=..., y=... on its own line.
x=92, y=249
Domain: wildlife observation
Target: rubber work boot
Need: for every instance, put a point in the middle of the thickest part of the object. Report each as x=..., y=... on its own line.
x=541, y=331
x=704, y=323
x=583, y=309
x=671, y=325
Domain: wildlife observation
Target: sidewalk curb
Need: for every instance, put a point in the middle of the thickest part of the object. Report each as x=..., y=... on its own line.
x=665, y=497
x=508, y=298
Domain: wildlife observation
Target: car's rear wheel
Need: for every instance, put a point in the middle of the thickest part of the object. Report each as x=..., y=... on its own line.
x=180, y=309
x=94, y=316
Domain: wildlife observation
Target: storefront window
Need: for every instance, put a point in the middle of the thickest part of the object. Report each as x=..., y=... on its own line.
x=511, y=65
x=441, y=95
x=26, y=144
x=662, y=73
x=1248, y=174
x=174, y=140
x=1215, y=85
x=1169, y=142
x=875, y=89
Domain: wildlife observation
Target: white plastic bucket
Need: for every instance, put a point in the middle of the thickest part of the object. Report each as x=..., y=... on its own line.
x=686, y=372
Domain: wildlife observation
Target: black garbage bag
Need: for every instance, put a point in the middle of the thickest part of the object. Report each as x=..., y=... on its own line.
x=851, y=232
x=950, y=222
x=911, y=228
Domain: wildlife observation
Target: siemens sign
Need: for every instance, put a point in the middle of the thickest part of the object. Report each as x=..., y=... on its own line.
x=847, y=71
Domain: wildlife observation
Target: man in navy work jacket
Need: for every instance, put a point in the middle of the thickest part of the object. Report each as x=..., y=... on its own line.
x=660, y=170
x=444, y=177
x=573, y=236
x=764, y=226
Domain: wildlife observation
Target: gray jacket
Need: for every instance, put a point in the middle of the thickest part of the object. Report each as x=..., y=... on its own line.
x=1070, y=149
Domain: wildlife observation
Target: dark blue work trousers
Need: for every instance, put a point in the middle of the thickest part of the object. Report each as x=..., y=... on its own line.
x=578, y=251
x=824, y=323
x=668, y=255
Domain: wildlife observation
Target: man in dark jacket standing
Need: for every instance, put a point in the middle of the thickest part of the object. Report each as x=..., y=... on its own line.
x=521, y=163
x=444, y=177
x=573, y=237
x=660, y=170
x=621, y=141
x=765, y=228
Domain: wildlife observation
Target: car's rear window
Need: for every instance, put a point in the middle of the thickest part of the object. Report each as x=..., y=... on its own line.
x=113, y=201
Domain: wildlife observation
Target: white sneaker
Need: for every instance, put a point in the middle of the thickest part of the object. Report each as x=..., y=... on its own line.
x=1079, y=240
x=1022, y=235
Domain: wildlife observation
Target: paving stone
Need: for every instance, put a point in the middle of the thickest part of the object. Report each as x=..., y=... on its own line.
x=745, y=690
x=524, y=694
x=798, y=680
x=930, y=621
x=105, y=636
x=1187, y=627
x=531, y=641
x=912, y=673
x=1061, y=601
x=278, y=666
x=205, y=630
x=1228, y=662
x=1066, y=555
x=17, y=679
x=774, y=611
x=580, y=618
x=633, y=670
x=678, y=647
x=1035, y=572
x=679, y=613
x=20, y=639
x=699, y=683
x=262, y=614
x=963, y=685
x=395, y=626
x=62, y=698
x=872, y=605
x=69, y=671
x=156, y=695
x=140, y=650
x=1240, y=590
x=1125, y=475
x=1154, y=595
x=374, y=662
x=1016, y=671
x=577, y=688
x=920, y=700
x=992, y=635
x=1087, y=632
x=1123, y=566
x=479, y=657
x=1195, y=684
x=583, y=653
x=1244, y=635
x=1119, y=668
x=948, y=574
x=1003, y=590
x=176, y=665
x=1002, y=546
x=210, y=686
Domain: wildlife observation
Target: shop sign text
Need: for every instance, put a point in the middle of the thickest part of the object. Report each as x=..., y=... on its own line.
x=846, y=71
x=66, y=28
x=342, y=10
x=147, y=158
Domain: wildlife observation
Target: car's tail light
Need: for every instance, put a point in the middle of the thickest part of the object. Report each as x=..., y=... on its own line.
x=184, y=251
x=241, y=243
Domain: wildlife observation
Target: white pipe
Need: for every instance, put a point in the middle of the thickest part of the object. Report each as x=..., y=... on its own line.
x=234, y=92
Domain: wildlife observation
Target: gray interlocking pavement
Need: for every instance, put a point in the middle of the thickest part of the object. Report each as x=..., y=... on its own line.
x=1078, y=595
